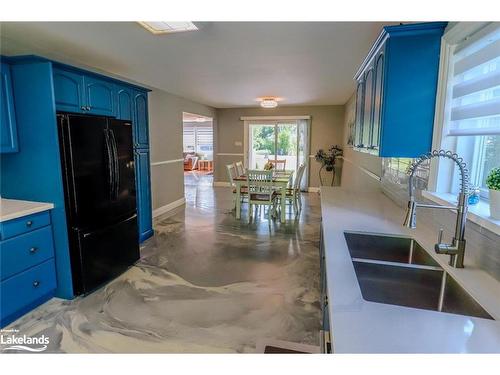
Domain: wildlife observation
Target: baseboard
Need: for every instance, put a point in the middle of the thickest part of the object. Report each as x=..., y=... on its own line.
x=144, y=236
x=221, y=184
x=313, y=189
x=169, y=207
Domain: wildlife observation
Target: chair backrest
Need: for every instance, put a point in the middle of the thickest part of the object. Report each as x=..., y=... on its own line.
x=231, y=173
x=279, y=164
x=260, y=181
x=298, y=176
x=239, y=168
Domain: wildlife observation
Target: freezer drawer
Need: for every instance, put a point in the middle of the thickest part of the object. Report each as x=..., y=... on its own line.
x=104, y=254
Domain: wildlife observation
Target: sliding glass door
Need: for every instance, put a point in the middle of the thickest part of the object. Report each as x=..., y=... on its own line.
x=262, y=144
x=282, y=140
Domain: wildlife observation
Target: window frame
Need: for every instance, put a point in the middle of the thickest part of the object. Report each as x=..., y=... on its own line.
x=443, y=177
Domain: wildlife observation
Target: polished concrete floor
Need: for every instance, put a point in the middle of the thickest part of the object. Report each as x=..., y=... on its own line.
x=206, y=283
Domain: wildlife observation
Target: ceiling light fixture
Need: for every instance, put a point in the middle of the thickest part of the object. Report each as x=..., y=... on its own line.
x=164, y=27
x=268, y=103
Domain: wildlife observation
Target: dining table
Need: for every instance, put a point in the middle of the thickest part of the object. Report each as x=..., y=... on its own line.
x=281, y=181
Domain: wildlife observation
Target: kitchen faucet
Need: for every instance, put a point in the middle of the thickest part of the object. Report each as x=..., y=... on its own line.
x=456, y=249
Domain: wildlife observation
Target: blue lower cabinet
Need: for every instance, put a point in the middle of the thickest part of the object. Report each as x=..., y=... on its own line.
x=27, y=266
x=144, y=211
x=24, y=224
x=26, y=290
x=25, y=251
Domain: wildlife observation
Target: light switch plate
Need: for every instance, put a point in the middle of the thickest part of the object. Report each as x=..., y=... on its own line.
x=238, y=143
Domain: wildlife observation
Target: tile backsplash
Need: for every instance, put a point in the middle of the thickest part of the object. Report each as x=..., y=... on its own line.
x=483, y=246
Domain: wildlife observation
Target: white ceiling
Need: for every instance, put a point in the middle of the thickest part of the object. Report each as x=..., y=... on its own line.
x=224, y=64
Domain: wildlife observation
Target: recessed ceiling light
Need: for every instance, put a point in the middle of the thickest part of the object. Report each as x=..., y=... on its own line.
x=268, y=103
x=163, y=27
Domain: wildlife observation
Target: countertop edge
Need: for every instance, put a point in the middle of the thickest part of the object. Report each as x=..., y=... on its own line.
x=20, y=208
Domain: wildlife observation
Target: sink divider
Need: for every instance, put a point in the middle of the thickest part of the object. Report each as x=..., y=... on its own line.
x=397, y=264
x=441, y=292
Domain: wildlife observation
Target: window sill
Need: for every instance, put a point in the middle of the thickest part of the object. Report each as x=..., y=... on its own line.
x=478, y=213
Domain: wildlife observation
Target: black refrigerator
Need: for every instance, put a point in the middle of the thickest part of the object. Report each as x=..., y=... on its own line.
x=100, y=194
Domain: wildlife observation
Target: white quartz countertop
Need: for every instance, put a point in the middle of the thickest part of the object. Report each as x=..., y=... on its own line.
x=12, y=208
x=360, y=326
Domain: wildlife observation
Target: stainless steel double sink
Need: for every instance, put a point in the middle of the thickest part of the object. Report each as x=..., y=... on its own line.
x=398, y=271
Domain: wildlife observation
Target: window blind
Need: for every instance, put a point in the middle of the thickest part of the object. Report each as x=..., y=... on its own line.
x=475, y=84
x=198, y=138
x=204, y=139
x=189, y=139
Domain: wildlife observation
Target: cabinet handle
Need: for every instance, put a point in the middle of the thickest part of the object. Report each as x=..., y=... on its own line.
x=36, y=283
x=83, y=108
x=29, y=223
x=88, y=108
x=33, y=250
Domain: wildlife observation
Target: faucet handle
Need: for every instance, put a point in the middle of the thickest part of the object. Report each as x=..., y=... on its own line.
x=440, y=236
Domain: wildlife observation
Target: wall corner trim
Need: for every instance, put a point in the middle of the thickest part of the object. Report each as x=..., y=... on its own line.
x=169, y=207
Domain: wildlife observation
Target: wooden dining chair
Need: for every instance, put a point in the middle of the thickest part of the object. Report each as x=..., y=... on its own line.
x=232, y=174
x=278, y=164
x=294, y=194
x=239, y=168
x=261, y=191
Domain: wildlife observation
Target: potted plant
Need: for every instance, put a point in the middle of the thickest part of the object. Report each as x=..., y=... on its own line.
x=327, y=160
x=493, y=183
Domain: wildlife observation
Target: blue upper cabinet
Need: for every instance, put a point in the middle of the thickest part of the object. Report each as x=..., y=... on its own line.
x=83, y=93
x=125, y=103
x=396, y=95
x=100, y=96
x=8, y=126
x=141, y=131
x=69, y=91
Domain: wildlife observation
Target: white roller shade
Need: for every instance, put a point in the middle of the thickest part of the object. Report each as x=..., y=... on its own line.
x=475, y=91
x=198, y=137
x=189, y=138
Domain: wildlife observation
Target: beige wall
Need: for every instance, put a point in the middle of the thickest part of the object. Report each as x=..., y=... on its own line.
x=353, y=174
x=165, y=137
x=326, y=130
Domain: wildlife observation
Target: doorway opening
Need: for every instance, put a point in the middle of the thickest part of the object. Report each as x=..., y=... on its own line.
x=198, y=149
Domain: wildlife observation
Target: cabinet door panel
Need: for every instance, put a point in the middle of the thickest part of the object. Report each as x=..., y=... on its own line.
x=100, y=96
x=367, y=109
x=141, y=137
x=377, y=102
x=125, y=104
x=68, y=90
x=8, y=125
x=358, y=138
x=143, y=194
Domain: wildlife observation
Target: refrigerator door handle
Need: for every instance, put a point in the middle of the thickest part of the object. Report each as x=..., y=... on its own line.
x=117, y=165
x=111, y=168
